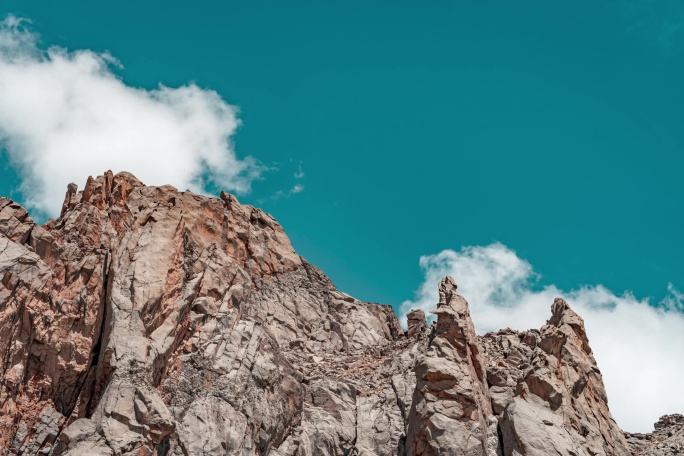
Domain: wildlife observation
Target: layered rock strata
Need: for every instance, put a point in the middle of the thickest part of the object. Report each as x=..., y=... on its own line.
x=149, y=321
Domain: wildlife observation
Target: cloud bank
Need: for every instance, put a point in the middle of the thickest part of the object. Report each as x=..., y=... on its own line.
x=638, y=346
x=64, y=115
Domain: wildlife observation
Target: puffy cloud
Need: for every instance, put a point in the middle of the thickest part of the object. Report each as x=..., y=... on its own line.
x=638, y=346
x=65, y=115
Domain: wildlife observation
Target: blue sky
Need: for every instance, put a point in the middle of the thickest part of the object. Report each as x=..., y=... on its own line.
x=552, y=128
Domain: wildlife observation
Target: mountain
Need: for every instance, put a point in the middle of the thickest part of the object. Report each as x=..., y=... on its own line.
x=149, y=321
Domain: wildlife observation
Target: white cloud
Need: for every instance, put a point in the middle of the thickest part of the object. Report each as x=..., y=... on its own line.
x=299, y=174
x=297, y=188
x=638, y=347
x=64, y=115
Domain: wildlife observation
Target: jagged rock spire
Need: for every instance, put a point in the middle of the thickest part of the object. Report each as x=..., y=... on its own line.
x=451, y=405
x=548, y=390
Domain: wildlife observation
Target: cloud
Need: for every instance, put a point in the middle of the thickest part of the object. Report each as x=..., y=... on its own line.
x=668, y=32
x=64, y=115
x=638, y=346
x=297, y=188
x=299, y=174
x=658, y=23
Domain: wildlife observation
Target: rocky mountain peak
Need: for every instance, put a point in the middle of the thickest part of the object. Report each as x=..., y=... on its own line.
x=150, y=321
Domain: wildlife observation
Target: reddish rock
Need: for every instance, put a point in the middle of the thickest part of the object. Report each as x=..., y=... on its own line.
x=148, y=321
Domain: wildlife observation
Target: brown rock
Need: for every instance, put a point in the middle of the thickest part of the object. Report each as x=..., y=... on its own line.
x=550, y=376
x=160, y=321
x=148, y=321
x=451, y=404
x=666, y=439
x=417, y=324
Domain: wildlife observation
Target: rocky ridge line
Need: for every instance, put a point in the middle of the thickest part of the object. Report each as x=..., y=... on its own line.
x=148, y=321
x=666, y=438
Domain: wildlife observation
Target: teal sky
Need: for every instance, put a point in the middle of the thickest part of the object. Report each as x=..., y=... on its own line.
x=553, y=127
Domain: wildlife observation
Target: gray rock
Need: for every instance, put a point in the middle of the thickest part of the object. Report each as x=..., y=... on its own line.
x=417, y=325
x=451, y=404
x=550, y=376
x=148, y=321
x=666, y=439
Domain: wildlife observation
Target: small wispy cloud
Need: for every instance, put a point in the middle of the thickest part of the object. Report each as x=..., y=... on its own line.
x=296, y=188
x=64, y=115
x=668, y=32
x=637, y=345
x=299, y=174
x=657, y=22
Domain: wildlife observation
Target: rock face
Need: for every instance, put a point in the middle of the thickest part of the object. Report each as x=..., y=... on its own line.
x=148, y=321
x=451, y=407
x=548, y=392
x=666, y=439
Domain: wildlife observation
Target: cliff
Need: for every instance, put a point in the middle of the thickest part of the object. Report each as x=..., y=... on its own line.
x=148, y=321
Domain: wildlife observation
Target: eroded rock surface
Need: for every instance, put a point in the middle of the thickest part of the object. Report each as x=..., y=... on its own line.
x=666, y=439
x=149, y=321
x=451, y=407
x=145, y=320
x=548, y=392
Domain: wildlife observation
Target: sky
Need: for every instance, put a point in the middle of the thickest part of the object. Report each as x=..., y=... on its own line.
x=538, y=144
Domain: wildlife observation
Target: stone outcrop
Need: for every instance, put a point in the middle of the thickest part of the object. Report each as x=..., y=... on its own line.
x=548, y=392
x=451, y=407
x=149, y=321
x=417, y=324
x=666, y=439
x=145, y=320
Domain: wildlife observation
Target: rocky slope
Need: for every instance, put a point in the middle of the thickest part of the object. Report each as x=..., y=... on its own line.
x=666, y=439
x=148, y=321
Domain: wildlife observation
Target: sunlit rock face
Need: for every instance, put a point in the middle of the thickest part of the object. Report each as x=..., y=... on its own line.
x=149, y=321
